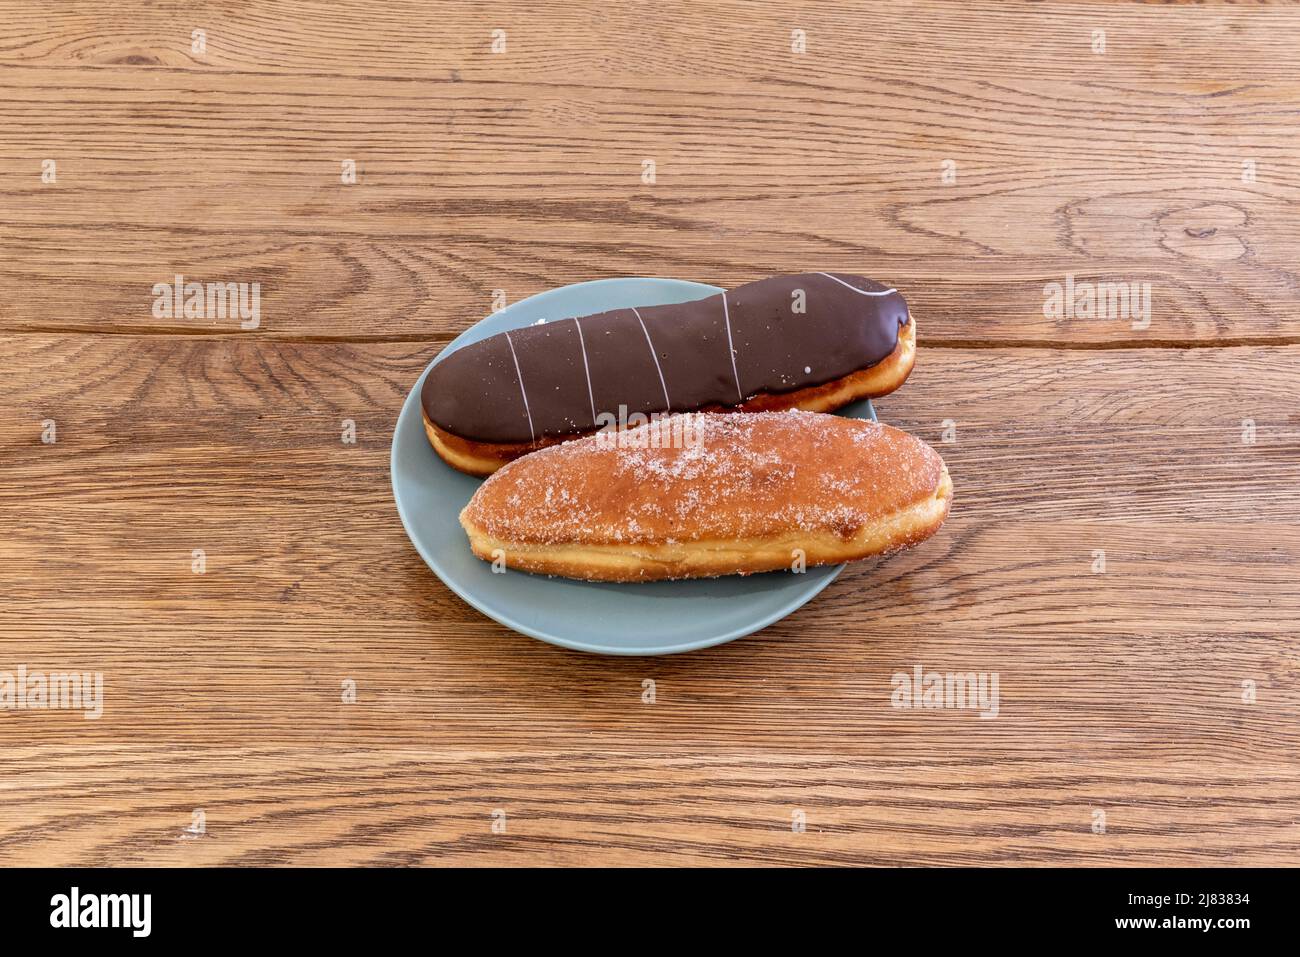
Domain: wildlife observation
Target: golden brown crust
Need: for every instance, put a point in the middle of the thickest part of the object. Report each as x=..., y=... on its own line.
x=756, y=493
x=484, y=458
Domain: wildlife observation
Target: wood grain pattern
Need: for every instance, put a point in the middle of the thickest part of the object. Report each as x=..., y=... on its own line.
x=522, y=171
x=1174, y=448
x=311, y=807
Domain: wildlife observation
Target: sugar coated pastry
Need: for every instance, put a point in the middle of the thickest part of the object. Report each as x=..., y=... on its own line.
x=813, y=341
x=700, y=495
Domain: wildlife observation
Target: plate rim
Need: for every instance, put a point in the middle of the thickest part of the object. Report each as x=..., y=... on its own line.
x=509, y=621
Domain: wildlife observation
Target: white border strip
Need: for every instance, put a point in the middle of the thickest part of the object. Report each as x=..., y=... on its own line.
x=726, y=317
x=586, y=368
x=860, y=292
x=522, y=391
x=655, y=357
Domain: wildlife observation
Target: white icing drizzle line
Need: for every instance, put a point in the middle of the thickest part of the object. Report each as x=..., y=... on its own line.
x=655, y=357
x=726, y=317
x=591, y=396
x=522, y=391
x=860, y=292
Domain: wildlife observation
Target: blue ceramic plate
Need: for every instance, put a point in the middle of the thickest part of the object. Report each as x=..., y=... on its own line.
x=655, y=618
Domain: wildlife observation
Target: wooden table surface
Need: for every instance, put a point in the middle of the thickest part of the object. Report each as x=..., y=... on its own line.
x=971, y=154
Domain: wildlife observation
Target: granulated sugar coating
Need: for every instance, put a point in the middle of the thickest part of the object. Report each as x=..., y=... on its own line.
x=727, y=476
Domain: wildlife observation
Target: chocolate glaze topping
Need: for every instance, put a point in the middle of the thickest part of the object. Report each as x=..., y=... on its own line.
x=557, y=377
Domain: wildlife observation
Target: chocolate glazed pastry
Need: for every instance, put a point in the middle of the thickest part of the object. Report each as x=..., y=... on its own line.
x=812, y=341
